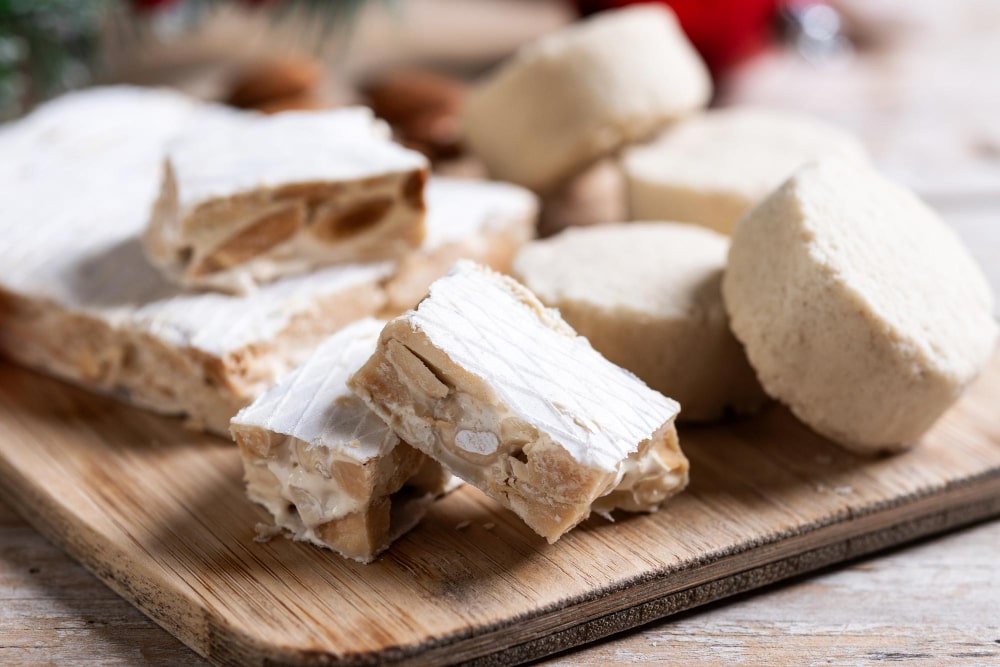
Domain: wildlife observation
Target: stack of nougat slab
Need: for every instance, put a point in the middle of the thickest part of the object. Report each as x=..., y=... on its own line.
x=90, y=294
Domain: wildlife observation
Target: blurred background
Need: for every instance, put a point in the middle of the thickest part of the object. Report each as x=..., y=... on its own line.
x=917, y=80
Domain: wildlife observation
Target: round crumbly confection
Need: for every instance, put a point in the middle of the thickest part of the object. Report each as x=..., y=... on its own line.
x=646, y=295
x=713, y=168
x=858, y=307
x=563, y=102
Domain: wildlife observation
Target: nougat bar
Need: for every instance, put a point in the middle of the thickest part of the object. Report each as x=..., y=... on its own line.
x=484, y=379
x=326, y=467
x=78, y=299
x=246, y=198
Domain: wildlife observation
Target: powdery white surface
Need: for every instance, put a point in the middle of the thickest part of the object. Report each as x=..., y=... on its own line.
x=78, y=176
x=219, y=323
x=858, y=307
x=657, y=269
x=459, y=209
x=223, y=154
x=894, y=254
x=538, y=367
x=746, y=150
x=77, y=181
x=712, y=168
x=313, y=403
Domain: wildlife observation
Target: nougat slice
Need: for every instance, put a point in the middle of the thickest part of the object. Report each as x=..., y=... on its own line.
x=325, y=466
x=79, y=300
x=499, y=389
x=246, y=198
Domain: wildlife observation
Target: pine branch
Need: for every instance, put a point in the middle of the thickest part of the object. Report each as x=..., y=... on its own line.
x=48, y=46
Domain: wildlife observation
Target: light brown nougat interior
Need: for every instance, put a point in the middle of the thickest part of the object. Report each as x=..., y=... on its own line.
x=103, y=355
x=456, y=419
x=269, y=232
x=319, y=495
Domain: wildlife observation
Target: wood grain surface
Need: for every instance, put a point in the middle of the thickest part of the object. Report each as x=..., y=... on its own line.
x=929, y=604
x=53, y=612
x=158, y=513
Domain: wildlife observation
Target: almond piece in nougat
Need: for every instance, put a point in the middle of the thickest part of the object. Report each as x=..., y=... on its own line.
x=326, y=467
x=501, y=391
x=245, y=198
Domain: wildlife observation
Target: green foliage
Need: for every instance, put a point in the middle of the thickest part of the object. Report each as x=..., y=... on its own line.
x=50, y=46
x=46, y=47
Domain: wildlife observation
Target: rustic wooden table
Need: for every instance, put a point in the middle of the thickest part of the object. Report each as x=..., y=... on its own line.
x=934, y=603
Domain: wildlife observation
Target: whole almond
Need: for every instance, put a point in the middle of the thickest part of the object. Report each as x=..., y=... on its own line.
x=332, y=225
x=401, y=95
x=260, y=236
x=269, y=80
x=303, y=102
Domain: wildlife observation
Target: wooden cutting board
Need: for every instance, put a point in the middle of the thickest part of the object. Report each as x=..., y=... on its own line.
x=158, y=513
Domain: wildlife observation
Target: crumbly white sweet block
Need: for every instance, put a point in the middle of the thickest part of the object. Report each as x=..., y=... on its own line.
x=326, y=467
x=200, y=356
x=247, y=198
x=79, y=300
x=857, y=306
x=574, y=96
x=647, y=296
x=484, y=379
x=712, y=168
x=484, y=221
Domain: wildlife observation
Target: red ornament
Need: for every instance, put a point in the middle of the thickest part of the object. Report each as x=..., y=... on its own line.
x=151, y=5
x=723, y=31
